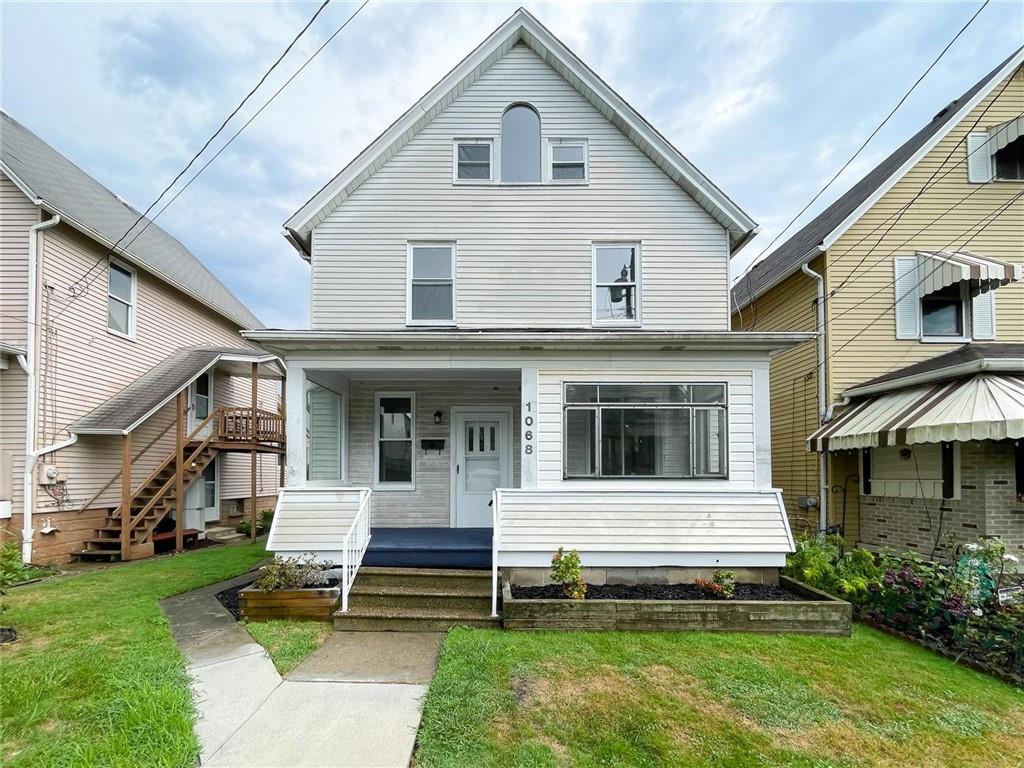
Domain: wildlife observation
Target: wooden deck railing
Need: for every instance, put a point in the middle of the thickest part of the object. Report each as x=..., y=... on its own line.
x=243, y=424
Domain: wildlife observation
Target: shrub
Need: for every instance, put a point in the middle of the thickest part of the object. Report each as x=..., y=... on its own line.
x=262, y=524
x=565, y=570
x=824, y=563
x=709, y=588
x=726, y=581
x=292, y=573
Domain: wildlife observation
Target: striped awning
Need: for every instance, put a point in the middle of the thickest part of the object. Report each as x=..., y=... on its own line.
x=981, y=407
x=1001, y=135
x=940, y=269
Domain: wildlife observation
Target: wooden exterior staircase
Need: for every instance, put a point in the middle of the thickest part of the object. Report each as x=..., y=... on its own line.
x=128, y=531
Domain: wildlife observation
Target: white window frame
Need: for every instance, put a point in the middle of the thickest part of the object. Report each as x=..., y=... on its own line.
x=454, y=280
x=378, y=485
x=690, y=408
x=491, y=143
x=549, y=161
x=637, y=321
x=966, y=321
x=134, y=300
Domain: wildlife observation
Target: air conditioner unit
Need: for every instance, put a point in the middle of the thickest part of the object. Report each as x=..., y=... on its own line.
x=50, y=475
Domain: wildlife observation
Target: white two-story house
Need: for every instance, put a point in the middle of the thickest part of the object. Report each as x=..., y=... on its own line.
x=520, y=339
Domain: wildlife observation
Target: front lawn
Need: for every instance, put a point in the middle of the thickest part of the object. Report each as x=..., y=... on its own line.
x=706, y=699
x=95, y=678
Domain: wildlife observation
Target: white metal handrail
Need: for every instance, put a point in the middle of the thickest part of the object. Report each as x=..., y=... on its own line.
x=495, y=539
x=354, y=546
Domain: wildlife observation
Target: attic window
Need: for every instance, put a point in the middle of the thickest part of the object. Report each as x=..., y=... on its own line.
x=1009, y=161
x=520, y=145
x=472, y=160
x=568, y=160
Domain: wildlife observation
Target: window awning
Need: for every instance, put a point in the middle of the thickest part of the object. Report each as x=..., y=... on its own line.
x=944, y=268
x=1001, y=135
x=981, y=407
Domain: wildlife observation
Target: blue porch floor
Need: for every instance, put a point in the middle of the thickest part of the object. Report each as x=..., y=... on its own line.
x=429, y=548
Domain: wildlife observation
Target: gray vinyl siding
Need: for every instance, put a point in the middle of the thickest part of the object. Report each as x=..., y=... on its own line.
x=524, y=253
x=17, y=214
x=429, y=503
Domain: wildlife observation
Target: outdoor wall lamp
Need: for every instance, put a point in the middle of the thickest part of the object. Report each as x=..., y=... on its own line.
x=438, y=416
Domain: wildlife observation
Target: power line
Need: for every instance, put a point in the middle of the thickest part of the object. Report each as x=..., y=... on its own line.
x=879, y=127
x=234, y=136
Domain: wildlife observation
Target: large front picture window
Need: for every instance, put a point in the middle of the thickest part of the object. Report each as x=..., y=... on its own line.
x=671, y=431
x=395, y=433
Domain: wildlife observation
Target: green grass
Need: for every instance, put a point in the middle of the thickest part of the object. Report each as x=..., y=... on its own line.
x=289, y=641
x=95, y=678
x=706, y=699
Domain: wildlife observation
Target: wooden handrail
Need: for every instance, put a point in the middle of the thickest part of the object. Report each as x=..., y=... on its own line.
x=116, y=477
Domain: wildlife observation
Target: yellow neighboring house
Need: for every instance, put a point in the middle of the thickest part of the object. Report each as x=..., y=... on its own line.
x=903, y=425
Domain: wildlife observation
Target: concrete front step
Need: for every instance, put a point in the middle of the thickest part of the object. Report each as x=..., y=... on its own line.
x=388, y=619
x=223, y=534
x=444, y=579
x=473, y=600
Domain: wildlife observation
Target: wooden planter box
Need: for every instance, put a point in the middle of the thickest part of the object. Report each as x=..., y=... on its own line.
x=315, y=604
x=820, y=614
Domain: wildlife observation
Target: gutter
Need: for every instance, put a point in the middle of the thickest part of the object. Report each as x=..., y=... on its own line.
x=822, y=407
x=28, y=363
x=927, y=377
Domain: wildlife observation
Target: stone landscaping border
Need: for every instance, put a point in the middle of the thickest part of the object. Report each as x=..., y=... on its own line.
x=314, y=604
x=819, y=614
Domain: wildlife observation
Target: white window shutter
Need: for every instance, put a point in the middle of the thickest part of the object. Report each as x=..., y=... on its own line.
x=908, y=318
x=979, y=161
x=983, y=316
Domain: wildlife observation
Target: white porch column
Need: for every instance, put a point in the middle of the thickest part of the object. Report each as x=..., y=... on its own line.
x=295, y=426
x=762, y=427
x=528, y=428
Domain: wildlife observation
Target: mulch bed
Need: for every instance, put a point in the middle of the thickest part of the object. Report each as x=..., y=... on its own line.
x=229, y=597
x=656, y=592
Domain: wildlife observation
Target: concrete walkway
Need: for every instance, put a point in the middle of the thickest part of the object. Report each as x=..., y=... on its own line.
x=355, y=702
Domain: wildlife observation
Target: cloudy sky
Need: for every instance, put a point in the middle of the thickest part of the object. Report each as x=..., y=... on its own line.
x=767, y=99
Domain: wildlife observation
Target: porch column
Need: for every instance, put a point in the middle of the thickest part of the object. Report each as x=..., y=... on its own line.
x=528, y=429
x=252, y=453
x=126, y=494
x=295, y=426
x=284, y=420
x=179, y=474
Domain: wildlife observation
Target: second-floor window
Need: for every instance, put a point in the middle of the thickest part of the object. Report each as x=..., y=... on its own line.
x=1009, y=161
x=944, y=313
x=431, y=284
x=568, y=159
x=616, y=284
x=520, y=145
x=121, y=300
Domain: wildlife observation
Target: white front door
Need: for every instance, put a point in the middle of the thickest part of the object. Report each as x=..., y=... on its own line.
x=202, y=499
x=483, y=452
x=200, y=403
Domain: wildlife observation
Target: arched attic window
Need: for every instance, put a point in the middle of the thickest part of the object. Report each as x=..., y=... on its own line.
x=520, y=145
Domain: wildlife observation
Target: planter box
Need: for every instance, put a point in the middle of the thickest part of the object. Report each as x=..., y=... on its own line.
x=819, y=614
x=315, y=604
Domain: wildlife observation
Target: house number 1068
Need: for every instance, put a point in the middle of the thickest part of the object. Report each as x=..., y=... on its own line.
x=528, y=428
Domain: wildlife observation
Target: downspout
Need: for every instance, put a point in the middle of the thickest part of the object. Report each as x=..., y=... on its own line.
x=822, y=407
x=31, y=411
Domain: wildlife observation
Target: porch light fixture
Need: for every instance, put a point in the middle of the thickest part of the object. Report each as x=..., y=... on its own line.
x=438, y=417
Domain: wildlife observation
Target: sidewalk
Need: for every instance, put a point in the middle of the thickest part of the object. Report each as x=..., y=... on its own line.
x=355, y=702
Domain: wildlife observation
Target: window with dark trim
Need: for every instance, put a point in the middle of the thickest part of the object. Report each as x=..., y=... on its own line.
x=1009, y=161
x=669, y=431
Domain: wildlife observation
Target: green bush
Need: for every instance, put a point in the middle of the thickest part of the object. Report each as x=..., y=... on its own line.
x=565, y=570
x=262, y=524
x=824, y=563
x=292, y=573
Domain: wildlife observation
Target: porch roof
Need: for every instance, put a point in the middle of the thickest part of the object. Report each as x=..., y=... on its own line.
x=126, y=410
x=288, y=341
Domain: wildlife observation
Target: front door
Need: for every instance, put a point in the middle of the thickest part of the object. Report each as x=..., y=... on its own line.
x=200, y=403
x=201, y=499
x=483, y=455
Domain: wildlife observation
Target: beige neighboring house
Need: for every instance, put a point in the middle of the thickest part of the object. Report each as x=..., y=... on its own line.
x=902, y=426
x=97, y=354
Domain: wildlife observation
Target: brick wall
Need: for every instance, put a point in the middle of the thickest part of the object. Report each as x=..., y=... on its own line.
x=987, y=506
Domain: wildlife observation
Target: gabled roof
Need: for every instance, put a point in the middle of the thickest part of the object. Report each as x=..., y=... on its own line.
x=521, y=27
x=821, y=231
x=126, y=410
x=51, y=180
